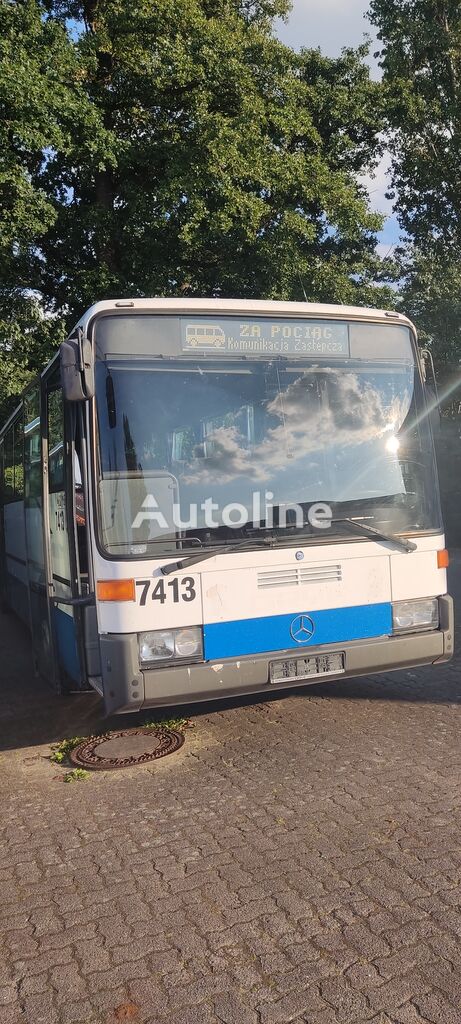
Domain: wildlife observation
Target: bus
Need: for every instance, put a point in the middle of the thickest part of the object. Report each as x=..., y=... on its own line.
x=183, y=521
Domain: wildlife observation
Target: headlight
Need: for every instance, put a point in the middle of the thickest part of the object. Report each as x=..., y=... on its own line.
x=169, y=644
x=410, y=616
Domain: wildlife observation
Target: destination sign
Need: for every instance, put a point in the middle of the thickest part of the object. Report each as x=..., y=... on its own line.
x=264, y=336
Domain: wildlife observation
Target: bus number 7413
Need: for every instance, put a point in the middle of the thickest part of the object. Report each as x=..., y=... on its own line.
x=179, y=590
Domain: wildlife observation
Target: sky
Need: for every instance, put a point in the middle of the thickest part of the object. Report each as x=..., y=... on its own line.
x=332, y=24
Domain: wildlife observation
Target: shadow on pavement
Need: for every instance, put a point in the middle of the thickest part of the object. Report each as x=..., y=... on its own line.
x=31, y=715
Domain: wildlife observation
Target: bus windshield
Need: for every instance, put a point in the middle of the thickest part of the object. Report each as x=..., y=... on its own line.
x=195, y=452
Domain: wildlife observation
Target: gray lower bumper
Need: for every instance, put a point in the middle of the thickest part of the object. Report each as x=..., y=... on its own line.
x=126, y=688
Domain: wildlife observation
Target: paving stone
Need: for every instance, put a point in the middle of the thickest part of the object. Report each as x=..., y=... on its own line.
x=290, y=1006
x=33, y=985
x=408, y=1014
x=11, y=1015
x=78, y=1012
x=298, y=862
x=202, y=989
x=99, y=981
x=67, y=983
x=8, y=994
x=105, y=1003
x=201, y=1014
x=348, y=1003
x=230, y=1009
x=441, y=976
x=393, y=993
x=149, y=994
x=40, y=1010
x=365, y=941
x=404, y=960
x=436, y=1009
x=363, y=976
x=43, y=961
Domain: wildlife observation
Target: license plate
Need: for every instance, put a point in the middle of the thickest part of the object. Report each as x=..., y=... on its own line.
x=314, y=667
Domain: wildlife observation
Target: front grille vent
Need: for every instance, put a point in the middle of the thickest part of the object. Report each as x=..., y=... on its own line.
x=298, y=576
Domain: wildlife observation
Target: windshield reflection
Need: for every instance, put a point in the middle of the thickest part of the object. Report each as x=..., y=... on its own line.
x=352, y=435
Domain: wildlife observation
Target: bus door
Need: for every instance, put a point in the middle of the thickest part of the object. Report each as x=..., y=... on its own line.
x=38, y=573
x=62, y=539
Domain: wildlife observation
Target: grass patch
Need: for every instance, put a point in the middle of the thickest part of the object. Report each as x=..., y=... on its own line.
x=61, y=751
x=76, y=775
x=177, y=724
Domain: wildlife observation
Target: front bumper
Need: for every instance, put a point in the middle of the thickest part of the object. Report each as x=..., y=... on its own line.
x=127, y=688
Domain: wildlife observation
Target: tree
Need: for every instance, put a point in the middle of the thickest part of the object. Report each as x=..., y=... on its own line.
x=180, y=147
x=421, y=61
x=234, y=167
x=41, y=104
x=431, y=296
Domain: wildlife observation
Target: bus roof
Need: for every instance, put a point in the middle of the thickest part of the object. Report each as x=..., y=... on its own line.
x=251, y=307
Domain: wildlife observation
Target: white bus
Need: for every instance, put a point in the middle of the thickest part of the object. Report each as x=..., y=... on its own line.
x=186, y=521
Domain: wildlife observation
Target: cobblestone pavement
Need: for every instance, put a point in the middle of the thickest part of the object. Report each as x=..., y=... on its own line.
x=298, y=860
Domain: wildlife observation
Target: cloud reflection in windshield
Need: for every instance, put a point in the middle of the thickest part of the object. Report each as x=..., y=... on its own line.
x=349, y=411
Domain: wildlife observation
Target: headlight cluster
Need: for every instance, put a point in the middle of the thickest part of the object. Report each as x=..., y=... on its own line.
x=411, y=616
x=170, y=644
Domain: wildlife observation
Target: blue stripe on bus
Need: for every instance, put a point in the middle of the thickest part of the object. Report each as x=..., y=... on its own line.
x=272, y=633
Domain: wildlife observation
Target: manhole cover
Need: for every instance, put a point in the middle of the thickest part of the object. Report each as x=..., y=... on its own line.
x=125, y=749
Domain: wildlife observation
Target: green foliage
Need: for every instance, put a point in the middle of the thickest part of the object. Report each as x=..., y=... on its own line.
x=60, y=755
x=76, y=775
x=43, y=110
x=61, y=750
x=164, y=147
x=431, y=296
x=234, y=167
x=177, y=724
x=421, y=60
x=27, y=339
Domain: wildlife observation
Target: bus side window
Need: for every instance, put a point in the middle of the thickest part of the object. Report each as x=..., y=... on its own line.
x=80, y=516
x=8, y=475
x=56, y=440
x=19, y=459
x=32, y=450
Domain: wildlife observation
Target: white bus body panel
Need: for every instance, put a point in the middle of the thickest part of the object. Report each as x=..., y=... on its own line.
x=235, y=587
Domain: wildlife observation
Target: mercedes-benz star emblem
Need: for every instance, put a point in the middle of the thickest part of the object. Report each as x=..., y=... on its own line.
x=302, y=629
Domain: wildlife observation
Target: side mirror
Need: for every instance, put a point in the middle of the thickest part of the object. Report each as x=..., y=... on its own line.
x=77, y=368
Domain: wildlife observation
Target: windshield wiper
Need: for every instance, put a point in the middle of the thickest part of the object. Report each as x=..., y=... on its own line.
x=255, y=542
x=399, y=542
x=272, y=542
